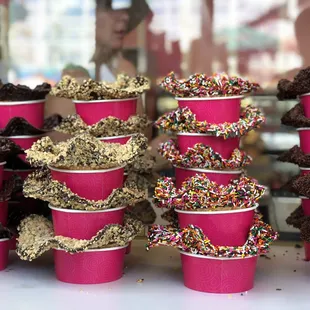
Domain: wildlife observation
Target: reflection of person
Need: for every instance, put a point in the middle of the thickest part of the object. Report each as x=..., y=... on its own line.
x=111, y=29
x=302, y=35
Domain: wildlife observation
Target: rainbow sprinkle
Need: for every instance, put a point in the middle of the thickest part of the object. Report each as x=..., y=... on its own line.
x=183, y=120
x=199, y=193
x=201, y=85
x=202, y=156
x=192, y=240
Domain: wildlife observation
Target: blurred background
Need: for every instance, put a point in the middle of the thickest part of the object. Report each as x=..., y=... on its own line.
x=262, y=40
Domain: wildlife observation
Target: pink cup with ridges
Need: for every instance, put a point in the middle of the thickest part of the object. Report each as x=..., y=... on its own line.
x=93, y=111
x=90, y=184
x=307, y=251
x=2, y=177
x=90, y=267
x=23, y=174
x=84, y=224
x=304, y=137
x=304, y=171
x=223, y=177
x=223, y=228
x=117, y=139
x=214, y=110
x=224, y=147
x=4, y=212
x=305, y=203
x=4, y=253
x=305, y=101
x=218, y=275
x=32, y=111
x=25, y=142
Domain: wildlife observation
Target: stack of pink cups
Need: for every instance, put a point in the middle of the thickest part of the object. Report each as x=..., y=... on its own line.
x=19, y=105
x=96, y=186
x=214, y=202
x=299, y=118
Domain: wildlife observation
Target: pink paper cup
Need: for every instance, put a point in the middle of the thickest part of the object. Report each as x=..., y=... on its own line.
x=305, y=203
x=84, y=224
x=307, y=251
x=93, y=111
x=4, y=253
x=224, y=147
x=214, y=110
x=23, y=174
x=305, y=101
x=223, y=228
x=117, y=139
x=4, y=212
x=32, y=111
x=223, y=177
x=304, y=171
x=128, y=249
x=90, y=184
x=304, y=137
x=90, y=267
x=218, y=275
x=25, y=142
x=2, y=176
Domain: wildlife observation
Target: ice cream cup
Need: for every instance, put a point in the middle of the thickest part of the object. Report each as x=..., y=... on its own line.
x=23, y=174
x=223, y=228
x=4, y=253
x=305, y=203
x=2, y=177
x=214, y=110
x=90, y=267
x=117, y=139
x=304, y=171
x=223, y=177
x=25, y=142
x=304, y=137
x=305, y=101
x=90, y=184
x=218, y=275
x=93, y=111
x=32, y=111
x=224, y=147
x=79, y=224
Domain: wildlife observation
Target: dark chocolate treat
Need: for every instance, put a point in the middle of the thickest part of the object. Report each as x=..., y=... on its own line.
x=144, y=212
x=296, y=117
x=301, y=185
x=18, y=126
x=300, y=85
x=4, y=233
x=15, y=163
x=11, y=92
x=8, y=149
x=296, y=156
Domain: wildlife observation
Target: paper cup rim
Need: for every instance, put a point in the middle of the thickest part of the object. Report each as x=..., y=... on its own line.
x=303, y=128
x=84, y=211
x=85, y=171
x=303, y=168
x=217, y=212
x=304, y=197
x=303, y=95
x=212, y=171
x=97, y=250
x=5, y=239
x=2, y=163
x=215, y=258
x=114, y=137
x=6, y=200
x=7, y=103
x=193, y=134
x=207, y=98
x=19, y=170
x=104, y=100
x=25, y=137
